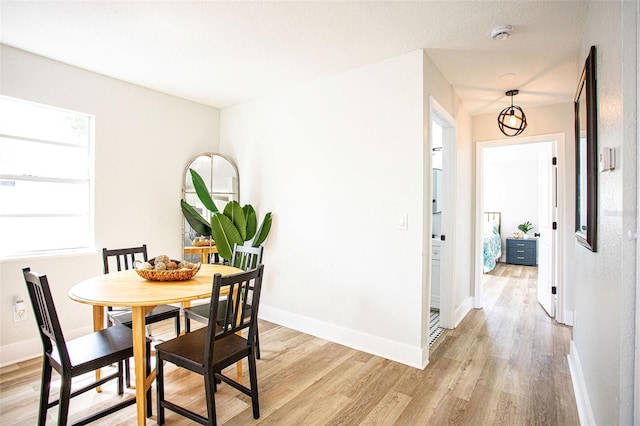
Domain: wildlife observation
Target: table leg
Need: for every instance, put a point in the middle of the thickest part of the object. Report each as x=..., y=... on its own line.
x=239, y=363
x=239, y=372
x=98, y=324
x=139, y=357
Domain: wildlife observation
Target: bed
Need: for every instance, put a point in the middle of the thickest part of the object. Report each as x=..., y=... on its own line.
x=491, y=240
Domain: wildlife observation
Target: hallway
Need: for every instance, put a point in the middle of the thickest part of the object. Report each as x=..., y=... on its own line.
x=505, y=364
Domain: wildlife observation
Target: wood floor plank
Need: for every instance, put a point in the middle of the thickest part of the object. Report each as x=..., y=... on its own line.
x=374, y=380
x=505, y=364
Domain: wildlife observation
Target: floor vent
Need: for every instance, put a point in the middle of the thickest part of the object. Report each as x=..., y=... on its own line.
x=434, y=327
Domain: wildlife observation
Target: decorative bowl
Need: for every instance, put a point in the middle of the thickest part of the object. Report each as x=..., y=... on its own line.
x=168, y=274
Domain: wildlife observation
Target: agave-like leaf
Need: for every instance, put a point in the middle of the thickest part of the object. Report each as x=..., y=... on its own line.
x=202, y=191
x=225, y=234
x=252, y=221
x=263, y=232
x=197, y=222
x=234, y=212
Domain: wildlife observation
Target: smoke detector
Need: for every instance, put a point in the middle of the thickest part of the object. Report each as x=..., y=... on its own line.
x=501, y=33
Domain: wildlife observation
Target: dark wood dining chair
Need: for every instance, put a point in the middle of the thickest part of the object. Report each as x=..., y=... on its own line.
x=243, y=257
x=124, y=259
x=208, y=350
x=71, y=358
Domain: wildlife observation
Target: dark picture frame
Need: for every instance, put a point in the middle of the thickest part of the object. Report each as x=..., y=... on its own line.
x=586, y=130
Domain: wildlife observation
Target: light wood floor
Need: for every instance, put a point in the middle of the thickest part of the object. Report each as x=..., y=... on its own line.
x=505, y=364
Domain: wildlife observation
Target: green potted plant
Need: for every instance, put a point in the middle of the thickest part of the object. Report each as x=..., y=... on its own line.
x=525, y=228
x=234, y=225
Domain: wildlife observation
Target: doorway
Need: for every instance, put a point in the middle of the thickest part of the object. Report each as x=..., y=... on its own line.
x=442, y=233
x=548, y=210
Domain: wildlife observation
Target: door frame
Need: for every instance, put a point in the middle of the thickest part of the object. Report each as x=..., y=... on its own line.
x=448, y=222
x=561, y=217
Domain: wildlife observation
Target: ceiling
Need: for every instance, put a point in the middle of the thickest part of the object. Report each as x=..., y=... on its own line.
x=221, y=53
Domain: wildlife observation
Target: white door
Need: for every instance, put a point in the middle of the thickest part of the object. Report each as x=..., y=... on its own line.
x=547, y=205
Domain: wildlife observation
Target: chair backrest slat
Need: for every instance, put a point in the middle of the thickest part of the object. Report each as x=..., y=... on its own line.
x=243, y=296
x=124, y=258
x=246, y=257
x=46, y=314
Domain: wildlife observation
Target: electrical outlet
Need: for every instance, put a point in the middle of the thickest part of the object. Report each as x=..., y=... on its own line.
x=19, y=311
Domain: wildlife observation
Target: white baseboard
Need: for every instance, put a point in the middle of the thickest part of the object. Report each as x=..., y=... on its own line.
x=579, y=387
x=462, y=311
x=568, y=318
x=395, y=351
x=476, y=303
x=32, y=348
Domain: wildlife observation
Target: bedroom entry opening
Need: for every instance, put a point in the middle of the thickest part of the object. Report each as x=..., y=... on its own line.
x=439, y=313
x=519, y=182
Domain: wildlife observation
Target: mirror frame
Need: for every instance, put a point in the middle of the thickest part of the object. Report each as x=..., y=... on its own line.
x=213, y=194
x=586, y=141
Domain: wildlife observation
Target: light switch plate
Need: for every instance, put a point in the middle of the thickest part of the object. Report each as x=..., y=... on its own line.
x=403, y=225
x=607, y=159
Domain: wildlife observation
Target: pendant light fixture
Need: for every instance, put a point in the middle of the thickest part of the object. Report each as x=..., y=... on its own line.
x=511, y=120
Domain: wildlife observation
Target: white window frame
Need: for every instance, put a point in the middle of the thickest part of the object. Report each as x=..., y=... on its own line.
x=87, y=215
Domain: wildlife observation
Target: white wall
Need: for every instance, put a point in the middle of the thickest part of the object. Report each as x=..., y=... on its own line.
x=603, y=335
x=339, y=162
x=143, y=142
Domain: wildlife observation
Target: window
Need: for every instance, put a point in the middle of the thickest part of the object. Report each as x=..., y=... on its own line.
x=46, y=179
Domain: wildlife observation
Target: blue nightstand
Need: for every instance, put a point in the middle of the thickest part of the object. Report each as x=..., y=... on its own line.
x=522, y=252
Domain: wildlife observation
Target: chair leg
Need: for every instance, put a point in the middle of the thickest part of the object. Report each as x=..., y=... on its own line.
x=65, y=397
x=120, y=378
x=159, y=389
x=253, y=379
x=148, y=361
x=178, y=324
x=257, y=342
x=209, y=385
x=44, y=392
x=127, y=373
x=187, y=324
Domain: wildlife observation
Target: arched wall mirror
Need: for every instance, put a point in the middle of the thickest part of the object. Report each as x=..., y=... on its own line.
x=221, y=177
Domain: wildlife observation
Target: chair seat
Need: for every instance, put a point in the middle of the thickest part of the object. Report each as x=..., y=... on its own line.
x=159, y=313
x=199, y=313
x=188, y=349
x=100, y=348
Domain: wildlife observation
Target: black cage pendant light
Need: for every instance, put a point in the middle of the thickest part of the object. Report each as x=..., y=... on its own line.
x=512, y=120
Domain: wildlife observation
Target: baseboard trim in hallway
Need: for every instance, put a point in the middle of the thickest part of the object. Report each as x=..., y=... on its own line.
x=579, y=387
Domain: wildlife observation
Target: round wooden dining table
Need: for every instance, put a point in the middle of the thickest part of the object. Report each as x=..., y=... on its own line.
x=127, y=288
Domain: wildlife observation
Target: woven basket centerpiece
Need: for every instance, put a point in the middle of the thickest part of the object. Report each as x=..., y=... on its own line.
x=161, y=268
